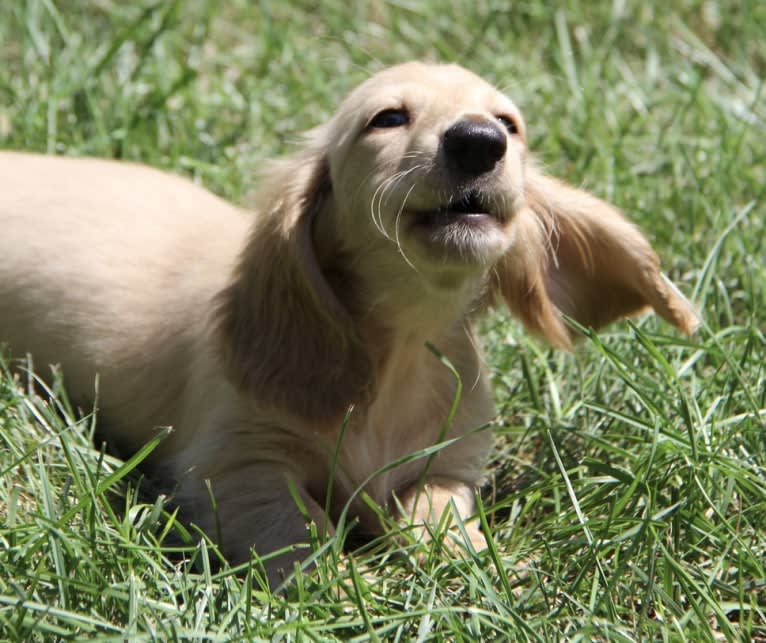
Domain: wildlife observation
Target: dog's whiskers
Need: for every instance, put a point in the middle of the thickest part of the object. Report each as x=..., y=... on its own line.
x=396, y=230
x=380, y=197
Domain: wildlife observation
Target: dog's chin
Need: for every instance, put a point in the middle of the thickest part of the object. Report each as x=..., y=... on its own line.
x=460, y=239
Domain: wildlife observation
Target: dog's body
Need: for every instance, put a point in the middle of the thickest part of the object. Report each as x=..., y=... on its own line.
x=252, y=334
x=121, y=281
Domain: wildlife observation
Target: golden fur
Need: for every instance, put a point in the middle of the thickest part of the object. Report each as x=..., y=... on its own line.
x=252, y=334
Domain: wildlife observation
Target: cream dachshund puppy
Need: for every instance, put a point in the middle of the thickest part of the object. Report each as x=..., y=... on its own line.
x=286, y=347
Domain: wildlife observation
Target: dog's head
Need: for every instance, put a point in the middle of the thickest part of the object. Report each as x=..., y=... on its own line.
x=419, y=186
x=428, y=161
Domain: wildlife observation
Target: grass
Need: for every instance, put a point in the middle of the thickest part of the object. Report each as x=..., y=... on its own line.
x=628, y=479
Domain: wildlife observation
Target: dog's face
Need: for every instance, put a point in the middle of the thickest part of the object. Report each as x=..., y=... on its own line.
x=428, y=160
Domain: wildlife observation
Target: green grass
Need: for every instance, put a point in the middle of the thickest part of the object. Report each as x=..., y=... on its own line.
x=628, y=480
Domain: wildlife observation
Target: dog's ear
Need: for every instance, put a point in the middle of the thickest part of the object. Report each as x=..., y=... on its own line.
x=577, y=255
x=286, y=339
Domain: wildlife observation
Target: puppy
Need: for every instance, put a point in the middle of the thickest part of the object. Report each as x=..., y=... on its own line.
x=286, y=346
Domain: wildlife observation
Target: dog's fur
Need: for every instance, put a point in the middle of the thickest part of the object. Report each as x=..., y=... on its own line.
x=253, y=334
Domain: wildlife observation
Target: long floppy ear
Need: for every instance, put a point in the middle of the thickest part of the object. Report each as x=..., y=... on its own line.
x=577, y=255
x=286, y=339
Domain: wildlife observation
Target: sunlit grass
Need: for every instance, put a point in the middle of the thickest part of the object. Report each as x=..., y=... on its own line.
x=627, y=492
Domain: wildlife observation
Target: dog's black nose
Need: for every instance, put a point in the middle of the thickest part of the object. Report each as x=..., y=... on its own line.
x=474, y=147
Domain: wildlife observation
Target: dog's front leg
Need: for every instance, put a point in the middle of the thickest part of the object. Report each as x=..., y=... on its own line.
x=434, y=503
x=258, y=508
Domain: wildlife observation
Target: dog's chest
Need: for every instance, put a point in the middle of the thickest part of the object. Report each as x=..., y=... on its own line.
x=386, y=448
x=383, y=453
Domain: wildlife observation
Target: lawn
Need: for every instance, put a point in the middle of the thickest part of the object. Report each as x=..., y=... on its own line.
x=627, y=492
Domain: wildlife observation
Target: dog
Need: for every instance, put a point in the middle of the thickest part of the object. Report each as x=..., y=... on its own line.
x=286, y=346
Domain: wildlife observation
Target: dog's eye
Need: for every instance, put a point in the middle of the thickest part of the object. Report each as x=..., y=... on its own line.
x=509, y=123
x=390, y=118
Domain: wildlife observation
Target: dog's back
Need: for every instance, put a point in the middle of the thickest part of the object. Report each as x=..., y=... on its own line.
x=109, y=268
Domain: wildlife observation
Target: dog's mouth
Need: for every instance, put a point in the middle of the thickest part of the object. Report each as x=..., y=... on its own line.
x=469, y=209
x=472, y=229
